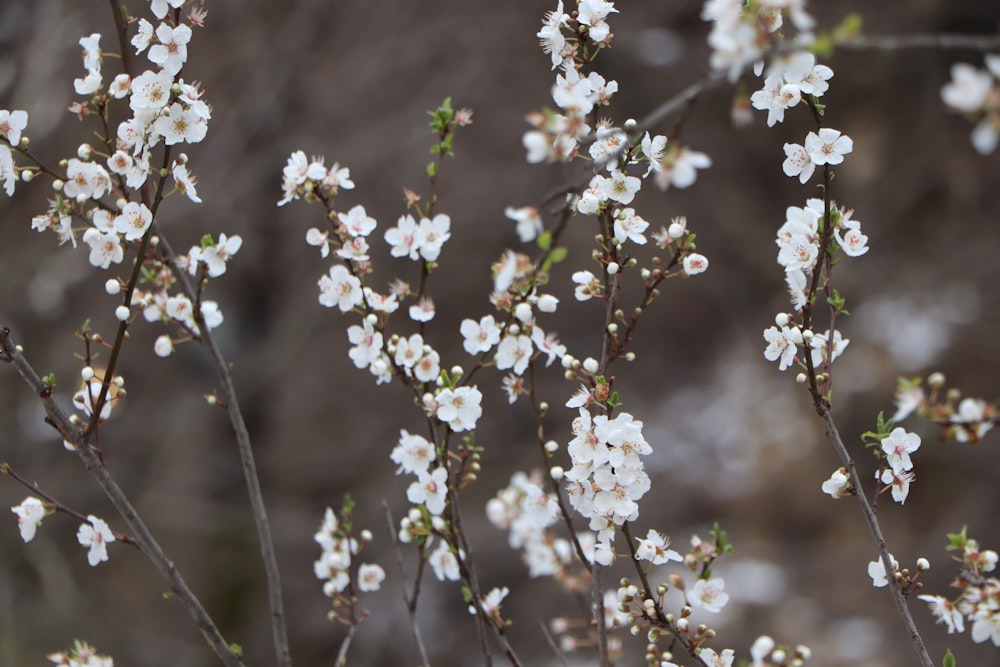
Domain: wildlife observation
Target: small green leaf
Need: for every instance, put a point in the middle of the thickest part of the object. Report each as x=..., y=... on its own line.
x=49, y=380
x=558, y=254
x=949, y=659
x=207, y=241
x=236, y=650
x=957, y=541
x=432, y=169
x=544, y=240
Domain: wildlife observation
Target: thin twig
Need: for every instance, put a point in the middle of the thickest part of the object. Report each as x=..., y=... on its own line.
x=409, y=598
x=60, y=421
x=890, y=43
x=876, y=530
x=279, y=629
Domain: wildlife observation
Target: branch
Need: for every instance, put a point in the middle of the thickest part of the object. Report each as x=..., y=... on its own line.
x=147, y=543
x=409, y=598
x=876, y=530
x=889, y=43
x=279, y=628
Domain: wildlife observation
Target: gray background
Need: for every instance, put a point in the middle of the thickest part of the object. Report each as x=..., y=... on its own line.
x=735, y=440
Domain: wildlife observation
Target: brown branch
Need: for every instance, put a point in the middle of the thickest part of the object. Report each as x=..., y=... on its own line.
x=279, y=629
x=147, y=543
x=876, y=530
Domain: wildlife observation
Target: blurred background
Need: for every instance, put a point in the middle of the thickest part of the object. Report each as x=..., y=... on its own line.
x=735, y=440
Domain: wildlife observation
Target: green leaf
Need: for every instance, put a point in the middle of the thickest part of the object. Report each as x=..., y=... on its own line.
x=957, y=541
x=544, y=240
x=207, y=242
x=558, y=254
x=949, y=659
x=432, y=169
x=49, y=380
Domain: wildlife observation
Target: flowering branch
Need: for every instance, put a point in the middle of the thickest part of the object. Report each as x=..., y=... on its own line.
x=278, y=624
x=147, y=543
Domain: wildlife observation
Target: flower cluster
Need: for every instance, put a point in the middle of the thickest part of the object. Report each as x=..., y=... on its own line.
x=527, y=511
x=741, y=33
x=978, y=601
x=339, y=548
x=607, y=478
x=976, y=94
x=964, y=419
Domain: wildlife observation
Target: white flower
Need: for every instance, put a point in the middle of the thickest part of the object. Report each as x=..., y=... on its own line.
x=945, y=612
x=143, y=36
x=431, y=489
x=460, y=407
x=798, y=163
x=898, y=446
x=432, y=234
x=423, y=310
x=339, y=288
x=370, y=577
x=629, y=227
x=186, y=182
x=775, y=97
x=620, y=187
x=413, y=454
x=29, y=513
x=899, y=481
x=514, y=352
x=12, y=123
x=529, y=222
x=713, y=659
x=654, y=549
x=151, y=91
x=444, y=563
x=96, y=536
x=171, y=52
x=404, y=238
x=367, y=344
x=828, y=147
x=782, y=344
x=159, y=7
x=105, y=249
x=480, y=337
x=587, y=285
x=133, y=221
x=968, y=89
x=708, y=594
x=876, y=570
x=695, y=264
x=357, y=221
x=215, y=256
x=836, y=486
x=180, y=125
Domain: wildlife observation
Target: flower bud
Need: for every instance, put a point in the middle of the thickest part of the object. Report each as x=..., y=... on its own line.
x=590, y=365
x=630, y=124
x=122, y=313
x=556, y=472
x=923, y=565
x=781, y=319
x=87, y=373
x=522, y=312
x=613, y=329
x=84, y=151
x=112, y=287
x=551, y=447
x=612, y=268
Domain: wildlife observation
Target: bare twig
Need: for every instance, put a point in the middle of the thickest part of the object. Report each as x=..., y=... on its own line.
x=876, y=530
x=942, y=41
x=408, y=597
x=279, y=628
x=60, y=421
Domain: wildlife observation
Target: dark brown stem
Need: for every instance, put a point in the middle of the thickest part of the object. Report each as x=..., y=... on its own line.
x=279, y=629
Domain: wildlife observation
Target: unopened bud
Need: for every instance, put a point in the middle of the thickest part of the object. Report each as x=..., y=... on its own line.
x=556, y=472
x=630, y=124
x=923, y=565
x=936, y=380
x=612, y=268
x=590, y=365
